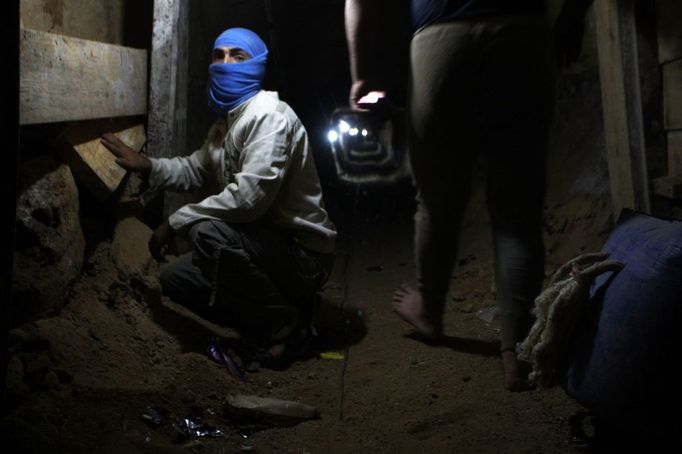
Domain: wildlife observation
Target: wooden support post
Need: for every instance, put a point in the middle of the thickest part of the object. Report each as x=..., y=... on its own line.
x=64, y=78
x=621, y=99
x=672, y=95
x=670, y=187
x=668, y=17
x=675, y=153
x=168, y=81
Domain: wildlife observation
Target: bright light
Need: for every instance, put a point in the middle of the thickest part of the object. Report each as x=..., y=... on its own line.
x=344, y=126
x=372, y=97
x=332, y=136
x=364, y=133
x=353, y=131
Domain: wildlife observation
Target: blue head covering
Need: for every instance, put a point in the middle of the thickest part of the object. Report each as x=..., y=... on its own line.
x=231, y=84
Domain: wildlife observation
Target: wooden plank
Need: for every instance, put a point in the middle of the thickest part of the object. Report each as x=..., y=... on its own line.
x=670, y=187
x=91, y=162
x=64, y=79
x=675, y=153
x=669, y=13
x=672, y=95
x=621, y=100
x=97, y=20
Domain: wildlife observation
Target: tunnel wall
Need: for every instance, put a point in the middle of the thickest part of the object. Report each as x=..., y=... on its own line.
x=122, y=22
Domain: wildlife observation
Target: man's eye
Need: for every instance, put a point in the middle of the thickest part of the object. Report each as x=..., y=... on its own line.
x=239, y=58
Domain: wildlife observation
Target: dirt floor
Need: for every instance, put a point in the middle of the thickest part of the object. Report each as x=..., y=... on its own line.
x=80, y=382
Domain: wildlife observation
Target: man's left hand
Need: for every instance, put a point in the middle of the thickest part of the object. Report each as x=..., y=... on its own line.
x=158, y=243
x=126, y=157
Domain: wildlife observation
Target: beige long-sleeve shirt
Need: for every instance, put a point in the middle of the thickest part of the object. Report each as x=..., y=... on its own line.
x=260, y=157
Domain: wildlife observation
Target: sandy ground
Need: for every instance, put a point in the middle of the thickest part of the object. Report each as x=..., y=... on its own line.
x=80, y=382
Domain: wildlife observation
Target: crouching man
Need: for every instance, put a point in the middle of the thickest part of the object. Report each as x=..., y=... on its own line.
x=262, y=245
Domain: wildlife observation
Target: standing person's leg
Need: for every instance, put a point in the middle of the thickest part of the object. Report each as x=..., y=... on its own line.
x=519, y=99
x=442, y=144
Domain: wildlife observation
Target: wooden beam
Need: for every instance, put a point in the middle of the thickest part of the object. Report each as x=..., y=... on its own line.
x=675, y=153
x=621, y=100
x=91, y=162
x=96, y=20
x=9, y=129
x=672, y=95
x=64, y=79
x=670, y=187
x=668, y=14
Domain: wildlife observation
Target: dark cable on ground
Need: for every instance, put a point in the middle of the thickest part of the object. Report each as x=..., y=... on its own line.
x=346, y=353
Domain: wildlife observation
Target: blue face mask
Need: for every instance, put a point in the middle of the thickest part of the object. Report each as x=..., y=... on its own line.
x=232, y=84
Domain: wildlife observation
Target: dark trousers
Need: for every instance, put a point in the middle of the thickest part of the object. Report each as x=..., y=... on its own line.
x=252, y=277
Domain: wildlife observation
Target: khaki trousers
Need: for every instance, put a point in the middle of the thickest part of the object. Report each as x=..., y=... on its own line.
x=481, y=89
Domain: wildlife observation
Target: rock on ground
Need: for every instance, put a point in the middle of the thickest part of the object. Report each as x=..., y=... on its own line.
x=129, y=249
x=49, y=248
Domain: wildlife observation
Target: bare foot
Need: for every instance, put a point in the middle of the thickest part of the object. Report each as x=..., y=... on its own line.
x=515, y=374
x=409, y=305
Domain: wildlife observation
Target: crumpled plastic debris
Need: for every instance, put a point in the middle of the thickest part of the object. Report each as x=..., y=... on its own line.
x=187, y=427
x=227, y=358
x=155, y=416
x=194, y=428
